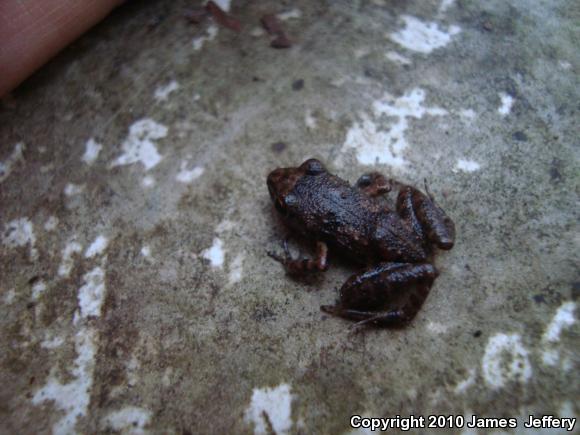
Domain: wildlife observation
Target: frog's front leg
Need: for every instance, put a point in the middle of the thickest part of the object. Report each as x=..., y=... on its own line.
x=427, y=219
x=374, y=184
x=298, y=266
x=365, y=296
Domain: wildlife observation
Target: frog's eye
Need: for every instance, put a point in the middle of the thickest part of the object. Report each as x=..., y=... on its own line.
x=313, y=167
x=290, y=200
x=364, y=181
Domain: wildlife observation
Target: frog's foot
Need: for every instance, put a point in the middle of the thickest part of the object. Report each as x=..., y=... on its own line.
x=374, y=184
x=427, y=219
x=297, y=266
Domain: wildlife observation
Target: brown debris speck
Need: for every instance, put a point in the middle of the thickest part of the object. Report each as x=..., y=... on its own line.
x=281, y=41
x=272, y=25
x=278, y=147
x=222, y=17
x=298, y=85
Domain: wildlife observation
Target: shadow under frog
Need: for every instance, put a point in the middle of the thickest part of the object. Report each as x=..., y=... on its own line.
x=398, y=244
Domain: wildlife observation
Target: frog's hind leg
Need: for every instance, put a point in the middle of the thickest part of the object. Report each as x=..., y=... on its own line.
x=379, y=318
x=362, y=292
x=393, y=318
x=374, y=184
x=403, y=315
x=428, y=220
x=298, y=266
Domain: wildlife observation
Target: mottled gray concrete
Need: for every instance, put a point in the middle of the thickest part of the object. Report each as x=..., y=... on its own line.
x=136, y=295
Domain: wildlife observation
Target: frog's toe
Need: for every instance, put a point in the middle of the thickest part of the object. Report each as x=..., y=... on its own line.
x=333, y=310
x=276, y=257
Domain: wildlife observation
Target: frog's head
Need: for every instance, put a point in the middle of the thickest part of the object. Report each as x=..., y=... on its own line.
x=281, y=182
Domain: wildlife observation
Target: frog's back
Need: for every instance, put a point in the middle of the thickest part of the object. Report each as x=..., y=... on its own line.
x=332, y=210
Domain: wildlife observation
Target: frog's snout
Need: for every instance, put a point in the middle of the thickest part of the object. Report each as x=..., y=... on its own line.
x=274, y=179
x=281, y=182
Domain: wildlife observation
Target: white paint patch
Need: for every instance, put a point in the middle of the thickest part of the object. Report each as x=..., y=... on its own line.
x=371, y=144
x=567, y=364
x=257, y=32
x=139, y=145
x=361, y=52
x=551, y=357
x=224, y=226
x=92, y=150
x=215, y=254
x=469, y=417
x=10, y=296
x=200, y=41
x=148, y=181
x=567, y=410
x=386, y=147
x=507, y=102
x=72, y=189
x=38, y=289
x=97, y=247
x=276, y=403
x=67, y=262
x=294, y=13
x=563, y=319
x=445, y=4
x=466, y=166
x=423, y=37
x=51, y=223
x=339, y=82
x=7, y=166
x=505, y=360
x=131, y=420
x=398, y=58
x=20, y=232
x=167, y=375
x=462, y=386
x=310, y=120
x=52, y=343
x=436, y=327
x=146, y=251
x=236, y=269
x=162, y=92
x=72, y=398
x=467, y=115
x=132, y=367
x=224, y=4
x=46, y=168
x=188, y=175
x=92, y=293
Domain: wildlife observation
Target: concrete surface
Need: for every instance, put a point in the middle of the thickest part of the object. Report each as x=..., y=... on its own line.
x=136, y=295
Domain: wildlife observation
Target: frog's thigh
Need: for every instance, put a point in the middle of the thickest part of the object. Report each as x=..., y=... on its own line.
x=387, y=317
x=437, y=226
x=373, y=184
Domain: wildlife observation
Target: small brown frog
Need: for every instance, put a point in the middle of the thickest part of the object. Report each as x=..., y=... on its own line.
x=358, y=221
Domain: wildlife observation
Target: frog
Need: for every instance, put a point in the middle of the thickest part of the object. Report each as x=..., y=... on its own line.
x=394, y=241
